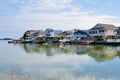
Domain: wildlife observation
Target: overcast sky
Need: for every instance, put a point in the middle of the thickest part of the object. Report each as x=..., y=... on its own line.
x=17, y=16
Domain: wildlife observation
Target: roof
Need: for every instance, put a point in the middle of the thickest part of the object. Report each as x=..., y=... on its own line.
x=66, y=33
x=104, y=26
x=58, y=32
x=49, y=29
x=81, y=31
x=32, y=32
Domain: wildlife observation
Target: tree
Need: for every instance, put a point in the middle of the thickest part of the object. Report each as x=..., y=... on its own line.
x=25, y=35
x=62, y=37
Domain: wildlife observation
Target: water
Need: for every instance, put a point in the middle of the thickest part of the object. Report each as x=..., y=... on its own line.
x=59, y=62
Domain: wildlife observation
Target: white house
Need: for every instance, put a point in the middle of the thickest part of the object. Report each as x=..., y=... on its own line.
x=52, y=33
x=67, y=34
x=33, y=34
x=49, y=33
x=101, y=32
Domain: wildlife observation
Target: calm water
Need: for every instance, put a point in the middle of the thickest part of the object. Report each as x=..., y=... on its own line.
x=59, y=62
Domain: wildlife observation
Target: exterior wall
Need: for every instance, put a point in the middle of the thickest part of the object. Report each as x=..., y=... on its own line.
x=70, y=36
x=41, y=34
x=52, y=33
x=96, y=32
x=110, y=32
x=34, y=34
x=103, y=32
x=79, y=35
x=49, y=33
x=113, y=40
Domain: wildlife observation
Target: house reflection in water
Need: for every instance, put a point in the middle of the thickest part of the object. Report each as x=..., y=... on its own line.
x=98, y=52
x=48, y=50
x=102, y=53
x=33, y=48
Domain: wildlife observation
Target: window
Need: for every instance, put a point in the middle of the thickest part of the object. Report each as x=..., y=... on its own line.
x=48, y=35
x=93, y=32
x=118, y=32
x=101, y=31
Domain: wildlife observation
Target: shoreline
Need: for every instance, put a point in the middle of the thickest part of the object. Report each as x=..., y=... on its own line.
x=66, y=42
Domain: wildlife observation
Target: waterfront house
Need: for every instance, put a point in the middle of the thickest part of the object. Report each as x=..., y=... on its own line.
x=33, y=34
x=49, y=33
x=117, y=37
x=53, y=35
x=80, y=35
x=101, y=32
x=57, y=33
x=67, y=35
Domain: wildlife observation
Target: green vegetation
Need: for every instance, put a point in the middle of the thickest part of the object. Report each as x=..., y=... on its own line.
x=25, y=35
x=41, y=38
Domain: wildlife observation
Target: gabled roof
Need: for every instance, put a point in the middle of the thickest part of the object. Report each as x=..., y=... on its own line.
x=66, y=33
x=49, y=29
x=32, y=32
x=81, y=31
x=104, y=26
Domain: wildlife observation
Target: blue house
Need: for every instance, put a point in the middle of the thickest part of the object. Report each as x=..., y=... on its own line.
x=80, y=35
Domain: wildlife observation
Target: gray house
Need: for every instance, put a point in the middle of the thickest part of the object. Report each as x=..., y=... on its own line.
x=101, y=32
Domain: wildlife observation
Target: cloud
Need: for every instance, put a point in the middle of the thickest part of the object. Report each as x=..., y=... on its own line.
x=29, y=6
x=64, y=20
x=55, y=4
x=42, y=14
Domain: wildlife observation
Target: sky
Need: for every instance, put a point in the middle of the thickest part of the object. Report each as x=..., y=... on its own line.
x=17, y=16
